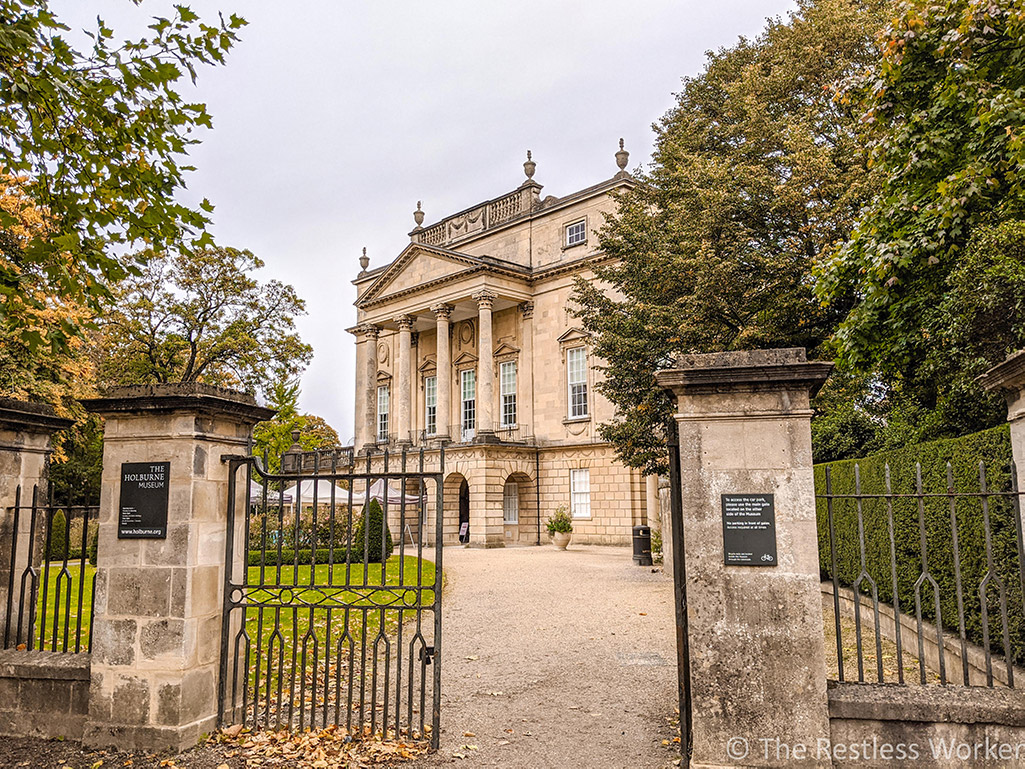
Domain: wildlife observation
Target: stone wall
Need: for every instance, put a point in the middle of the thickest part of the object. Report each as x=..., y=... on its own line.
x=935, y=726
x=43, y=694
x=617, y=493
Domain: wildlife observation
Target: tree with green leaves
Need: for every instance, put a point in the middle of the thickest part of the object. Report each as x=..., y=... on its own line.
x=97, y=138
x=756, y=172
x=201, y=316
x=274, y=437
x=944, y=108
x=77, y=465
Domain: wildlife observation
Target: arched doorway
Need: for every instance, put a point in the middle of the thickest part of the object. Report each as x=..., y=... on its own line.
x=464, y=512
x=457, y=508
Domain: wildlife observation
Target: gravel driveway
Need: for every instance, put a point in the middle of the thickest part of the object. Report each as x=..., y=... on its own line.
x=556, y=659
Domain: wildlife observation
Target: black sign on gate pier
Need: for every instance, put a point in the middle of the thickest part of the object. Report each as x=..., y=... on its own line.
x=749, y=529
x=144, y=493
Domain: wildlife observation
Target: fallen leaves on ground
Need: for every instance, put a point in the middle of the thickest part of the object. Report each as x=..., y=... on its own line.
x=329, y=747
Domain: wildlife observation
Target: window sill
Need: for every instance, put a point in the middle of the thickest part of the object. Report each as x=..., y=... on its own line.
x=575, y=245
x=576, y=420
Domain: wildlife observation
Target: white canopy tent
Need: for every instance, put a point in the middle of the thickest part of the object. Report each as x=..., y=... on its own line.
x=319, y=492
x=359, y=496
x=394, y=492
x=273, y=496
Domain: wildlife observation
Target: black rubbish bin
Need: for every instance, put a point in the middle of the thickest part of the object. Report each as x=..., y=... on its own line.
x=642, y=545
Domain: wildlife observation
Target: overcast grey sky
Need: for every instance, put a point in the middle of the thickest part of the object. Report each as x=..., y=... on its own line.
x=333, y=117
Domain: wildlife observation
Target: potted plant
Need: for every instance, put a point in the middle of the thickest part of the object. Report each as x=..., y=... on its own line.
x=560, y=527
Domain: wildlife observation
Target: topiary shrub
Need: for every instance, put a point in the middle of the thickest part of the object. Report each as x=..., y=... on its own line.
x=368, y=533
x=58, y=544
x=94, y=541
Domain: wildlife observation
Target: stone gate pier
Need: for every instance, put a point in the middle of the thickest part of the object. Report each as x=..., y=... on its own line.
x=158, y=601
x=758, y=667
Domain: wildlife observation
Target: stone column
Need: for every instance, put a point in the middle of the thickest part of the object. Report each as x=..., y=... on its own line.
x=443, y=314
x=368, y=373
x=416, y=404
x=26, y=430
x=757, y=658
x=651, y=516
x=1008, y=378
x=359, y=422
x=485, y=366
x=402, y=390
x=157, y=609
x=525, y=375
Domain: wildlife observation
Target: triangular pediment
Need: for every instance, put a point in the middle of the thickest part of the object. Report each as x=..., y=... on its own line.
x=574, y=335
x=505, y=347
x=429, y=364
x=383, y=377
x=465, y=359
x=416, y=265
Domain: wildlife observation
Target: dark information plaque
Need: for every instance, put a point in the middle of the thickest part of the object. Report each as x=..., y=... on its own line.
x=144, y=492
x=749, y=529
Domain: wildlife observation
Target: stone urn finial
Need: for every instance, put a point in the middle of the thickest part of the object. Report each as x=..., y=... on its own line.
x=418, y=215
x=622, y=157
x=364, y=261
x=529, y=167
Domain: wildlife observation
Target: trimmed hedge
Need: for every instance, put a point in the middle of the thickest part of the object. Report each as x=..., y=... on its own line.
x=270, y=556
x=993, y=447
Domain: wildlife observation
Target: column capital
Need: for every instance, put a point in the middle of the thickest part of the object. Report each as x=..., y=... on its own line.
x=406, y=322
x=485, y=298
x=442, y=311
x=138, y=400
x=369, y=330
x=527, y=308
x=30, y=417
x=1008, y=378
x=744, y=371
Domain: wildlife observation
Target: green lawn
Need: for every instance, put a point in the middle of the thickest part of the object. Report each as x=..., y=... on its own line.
x=291, y=623
x=328, y=591
x=300, y=655
x=61, y=608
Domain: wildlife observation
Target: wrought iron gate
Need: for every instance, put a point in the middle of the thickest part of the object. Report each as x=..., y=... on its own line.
x=318, y=627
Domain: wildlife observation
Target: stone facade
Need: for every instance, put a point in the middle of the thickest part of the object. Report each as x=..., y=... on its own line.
x=494, y=284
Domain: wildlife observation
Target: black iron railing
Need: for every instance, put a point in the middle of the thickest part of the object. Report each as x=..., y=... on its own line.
x=931, y=580
x=334, y=618
x=50, y=574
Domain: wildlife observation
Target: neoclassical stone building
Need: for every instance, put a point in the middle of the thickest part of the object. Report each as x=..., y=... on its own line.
x=466, y=340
